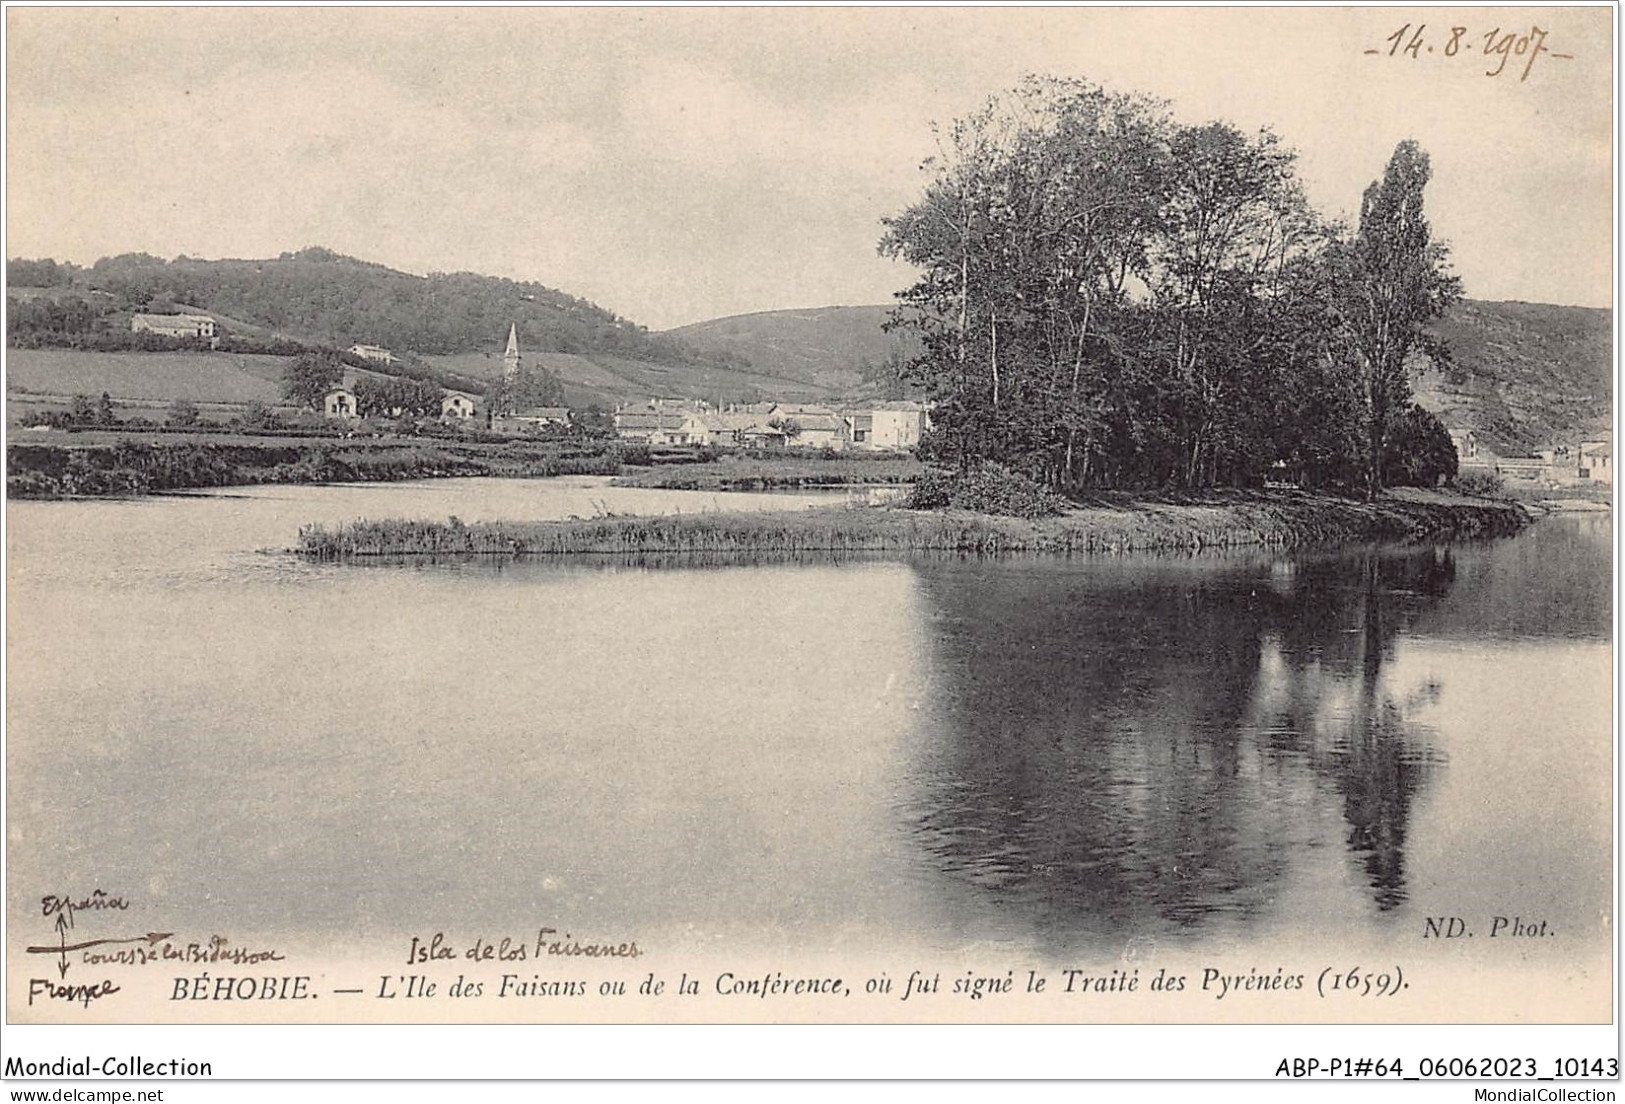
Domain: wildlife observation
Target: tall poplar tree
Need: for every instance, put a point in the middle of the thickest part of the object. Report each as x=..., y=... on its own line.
x=1398, y=282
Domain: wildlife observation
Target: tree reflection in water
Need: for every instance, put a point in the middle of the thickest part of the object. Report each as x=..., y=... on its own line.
x=1122, y=747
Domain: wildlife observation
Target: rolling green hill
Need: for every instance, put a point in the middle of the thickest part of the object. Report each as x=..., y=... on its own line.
x=827, y=346
x=605, y=379
x=318, y=295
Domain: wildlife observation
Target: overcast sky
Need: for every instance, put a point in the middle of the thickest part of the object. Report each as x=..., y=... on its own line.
x=677, y=165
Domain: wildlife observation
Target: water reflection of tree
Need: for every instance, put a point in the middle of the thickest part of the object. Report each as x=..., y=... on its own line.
x=1127, y=747
x=1374, y=755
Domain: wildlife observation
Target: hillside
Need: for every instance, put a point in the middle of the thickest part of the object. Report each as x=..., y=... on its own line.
x=1526, y=375
x=605, y=379
x=319, y=295
x=834, y=347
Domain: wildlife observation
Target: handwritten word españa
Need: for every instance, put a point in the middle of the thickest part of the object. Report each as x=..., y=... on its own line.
x=1498, y=46
x=65, y=905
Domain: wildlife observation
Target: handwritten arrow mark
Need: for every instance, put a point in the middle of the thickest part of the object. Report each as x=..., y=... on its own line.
x=153, y=938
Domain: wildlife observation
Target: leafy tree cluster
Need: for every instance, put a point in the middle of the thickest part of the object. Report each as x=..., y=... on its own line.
x=397, y=396
x=67, y=315
x=182, y=413
x=260, y=415
x=83, y=412
x=43, y=273
x=308, y=378
x=110, y=341
x=535, y=386
x=1110, y=298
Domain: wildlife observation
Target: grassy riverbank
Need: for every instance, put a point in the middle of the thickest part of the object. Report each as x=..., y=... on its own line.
x=133, y=467
x=786, y=473
x=1220, y=520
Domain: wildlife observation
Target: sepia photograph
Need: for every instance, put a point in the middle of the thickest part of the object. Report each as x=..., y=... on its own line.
x=638, y=517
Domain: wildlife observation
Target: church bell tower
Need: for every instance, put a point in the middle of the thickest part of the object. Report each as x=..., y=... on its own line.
x=510, y=358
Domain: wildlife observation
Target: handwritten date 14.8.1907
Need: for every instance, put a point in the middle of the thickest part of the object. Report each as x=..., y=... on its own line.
x=1497, y=47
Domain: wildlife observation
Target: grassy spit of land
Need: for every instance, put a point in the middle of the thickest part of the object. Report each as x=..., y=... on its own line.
x=1277, y=518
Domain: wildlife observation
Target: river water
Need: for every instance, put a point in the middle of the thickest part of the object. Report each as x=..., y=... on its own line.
x=1052, y=757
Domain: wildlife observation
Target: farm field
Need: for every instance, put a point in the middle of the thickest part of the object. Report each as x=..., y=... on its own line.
x=104, y=438
x=155, y=377
x=567, y=366
x=605, y=379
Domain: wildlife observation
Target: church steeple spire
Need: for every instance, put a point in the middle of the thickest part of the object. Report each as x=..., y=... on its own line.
x=510, y=358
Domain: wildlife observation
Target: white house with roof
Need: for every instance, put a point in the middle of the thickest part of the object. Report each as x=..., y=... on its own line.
x=532, y=419
x=812, y=428
x=669, y=422
x=1597, y=461
x=173, y=325
x=375, y=353
x=339, y=402
x=897, y=425
x=1466, y=442
x=458, y=405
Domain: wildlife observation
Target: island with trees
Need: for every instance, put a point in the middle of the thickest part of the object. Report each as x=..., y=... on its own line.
x=1132, y=333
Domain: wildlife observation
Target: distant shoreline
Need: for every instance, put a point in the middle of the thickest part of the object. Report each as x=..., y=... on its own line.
x=106, y=464
x=1221, y=520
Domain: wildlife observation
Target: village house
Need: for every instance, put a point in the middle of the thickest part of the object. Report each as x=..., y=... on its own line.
x=759, y=434
x=663, y=427
x=735, y=427
x=768, y=425
x=897, y=425
x=532, y=419
x=647, y=426
x=670, y=422
x=173, y=325
x=457, y=405
x=1559, y=465
x=806, y=425
x=814, y=429
x=1597, y=461
x=1523, y=467
x=374, y=352
x=1466, y=442
x=339, y=402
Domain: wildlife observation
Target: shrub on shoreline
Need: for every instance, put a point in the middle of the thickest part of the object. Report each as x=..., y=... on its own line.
x=1481, y=484
x=988, y=489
